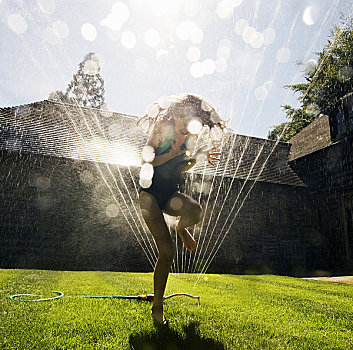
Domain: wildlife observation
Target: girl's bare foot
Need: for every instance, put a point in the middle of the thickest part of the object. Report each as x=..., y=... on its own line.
x=188, y=240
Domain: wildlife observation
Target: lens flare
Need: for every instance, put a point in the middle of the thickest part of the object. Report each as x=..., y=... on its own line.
x=89, y=32
x=148, y=154
x=283, y=55
x=17, y=23
x=146, y=174
x=152, y=37
x=176, y=203
x=194, y=126
x=112, y=210
x=128, y=39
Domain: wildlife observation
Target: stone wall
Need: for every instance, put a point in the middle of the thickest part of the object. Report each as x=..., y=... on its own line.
x=59, y=213
x=329, y=173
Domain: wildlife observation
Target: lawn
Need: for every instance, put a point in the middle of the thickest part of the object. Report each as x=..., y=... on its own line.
x=236, y=312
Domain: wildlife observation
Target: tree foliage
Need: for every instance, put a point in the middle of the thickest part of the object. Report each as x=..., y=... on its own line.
x=86, y=87
x=326, y=82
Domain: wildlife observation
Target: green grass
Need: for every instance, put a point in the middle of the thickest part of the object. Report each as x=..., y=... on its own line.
x=236, y=312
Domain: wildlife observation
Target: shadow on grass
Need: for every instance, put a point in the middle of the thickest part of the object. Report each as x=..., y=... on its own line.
x=168, y=339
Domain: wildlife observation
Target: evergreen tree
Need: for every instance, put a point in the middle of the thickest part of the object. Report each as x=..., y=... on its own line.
x=326, y=82
x=86, y=87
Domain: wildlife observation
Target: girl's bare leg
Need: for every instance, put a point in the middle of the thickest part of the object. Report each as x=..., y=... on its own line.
x=190, y=213
x=154, y=219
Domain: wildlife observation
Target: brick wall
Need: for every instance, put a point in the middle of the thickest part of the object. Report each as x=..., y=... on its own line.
x=58, y=213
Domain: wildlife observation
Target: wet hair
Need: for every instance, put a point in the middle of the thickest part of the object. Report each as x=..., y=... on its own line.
x=183, y=105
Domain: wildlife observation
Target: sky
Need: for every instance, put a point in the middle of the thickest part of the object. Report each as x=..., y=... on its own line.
x=237, y=54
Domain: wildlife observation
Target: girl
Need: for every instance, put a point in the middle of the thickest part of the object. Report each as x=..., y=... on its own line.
x=168, y=153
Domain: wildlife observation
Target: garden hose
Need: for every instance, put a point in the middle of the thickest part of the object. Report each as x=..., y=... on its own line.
x=148, y=297
x=13, y=297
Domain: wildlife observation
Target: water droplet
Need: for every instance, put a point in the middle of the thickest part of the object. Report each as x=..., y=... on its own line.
x=308, y=16
x=47, y=6
x=50, y=36
x=196, y=35
x=184, y=29
x=257, y=41
x=283, y=55
x=225, y=8
x=42, y=182
x=193, y=54
x=216, y=133
x=260, y=93
x=152, y=37
x=209, y=66
x=117, y=17
x=61, y=29
x=86, y=177
x=176, y=203
x=128, y=39
x=112, y=210
x=223, y=52
x=146, y=174
x=91, y=67
x=194, y=126
x=197, y=70
x=17, y=23
x=221, y=65
x=240, y=26
x=269, y=36
x=89, y=32
x=249, y=34
x=148, y=154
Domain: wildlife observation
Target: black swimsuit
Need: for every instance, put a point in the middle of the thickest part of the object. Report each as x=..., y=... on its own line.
x=165, y=181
